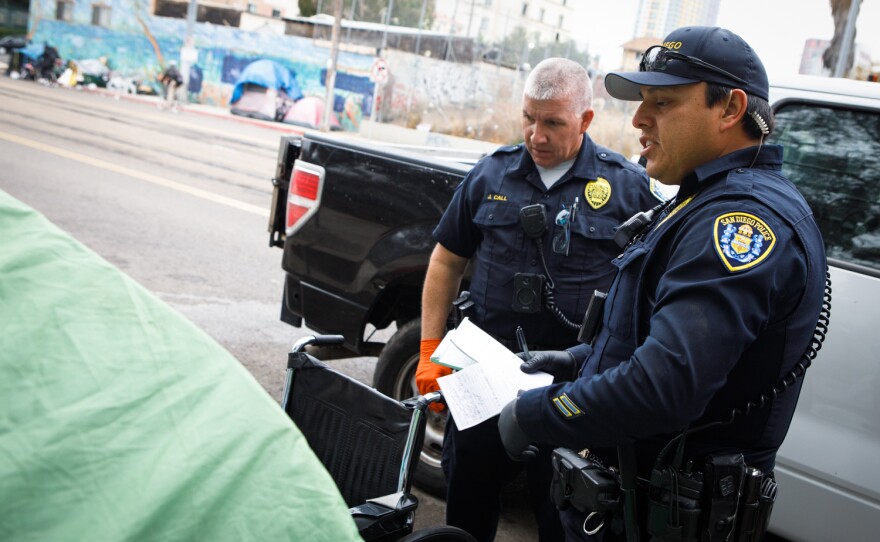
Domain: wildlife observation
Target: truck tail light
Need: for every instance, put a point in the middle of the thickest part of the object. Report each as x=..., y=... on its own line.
x=304, y=194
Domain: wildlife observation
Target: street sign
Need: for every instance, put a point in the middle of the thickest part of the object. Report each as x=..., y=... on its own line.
x=379, y=71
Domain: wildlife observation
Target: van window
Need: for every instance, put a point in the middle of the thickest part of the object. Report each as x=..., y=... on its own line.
x=833, y=156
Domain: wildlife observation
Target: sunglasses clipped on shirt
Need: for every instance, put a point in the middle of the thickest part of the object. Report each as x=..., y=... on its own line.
x=657, y=57
x=564, y=218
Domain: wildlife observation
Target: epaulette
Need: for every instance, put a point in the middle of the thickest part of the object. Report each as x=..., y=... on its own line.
x=607, y=156
x=507, y=149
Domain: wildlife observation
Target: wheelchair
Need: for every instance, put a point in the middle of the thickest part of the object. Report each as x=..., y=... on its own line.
x=368, y=442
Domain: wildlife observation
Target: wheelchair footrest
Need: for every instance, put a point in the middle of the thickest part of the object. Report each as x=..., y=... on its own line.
x=385, y=518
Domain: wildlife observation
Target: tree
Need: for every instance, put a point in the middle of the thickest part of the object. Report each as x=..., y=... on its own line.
x=840, y=13
x=307, y=8
x=519, y=48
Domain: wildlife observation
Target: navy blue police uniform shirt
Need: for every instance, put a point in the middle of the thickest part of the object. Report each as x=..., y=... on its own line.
x=708, y=310
x=482, y=222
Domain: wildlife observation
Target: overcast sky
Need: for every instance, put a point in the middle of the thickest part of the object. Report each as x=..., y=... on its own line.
x=776, y=29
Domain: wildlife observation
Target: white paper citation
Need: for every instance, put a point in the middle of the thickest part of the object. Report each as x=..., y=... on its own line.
x=489, y=375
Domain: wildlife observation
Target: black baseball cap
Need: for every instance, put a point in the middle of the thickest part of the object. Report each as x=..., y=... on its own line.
x=692, y=54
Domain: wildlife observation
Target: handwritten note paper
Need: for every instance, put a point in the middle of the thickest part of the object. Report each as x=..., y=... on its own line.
x=479, y=391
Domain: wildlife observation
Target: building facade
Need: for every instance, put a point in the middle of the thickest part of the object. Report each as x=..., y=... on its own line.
x=657, y=18
x=490, y=21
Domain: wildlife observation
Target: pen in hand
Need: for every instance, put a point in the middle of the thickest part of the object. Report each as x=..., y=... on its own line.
x=521, y=338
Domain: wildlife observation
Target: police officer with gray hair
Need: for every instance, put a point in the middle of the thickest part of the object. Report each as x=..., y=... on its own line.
x=536, y=222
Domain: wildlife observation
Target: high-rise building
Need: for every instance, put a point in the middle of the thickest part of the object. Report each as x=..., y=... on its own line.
x=491, y=20
x=657, y=18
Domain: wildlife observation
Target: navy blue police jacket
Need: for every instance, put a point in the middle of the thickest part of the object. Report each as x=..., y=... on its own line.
x=482, y=223
x=708, y=310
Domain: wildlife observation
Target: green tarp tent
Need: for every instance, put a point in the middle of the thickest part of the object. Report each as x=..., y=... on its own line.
x=120, y=420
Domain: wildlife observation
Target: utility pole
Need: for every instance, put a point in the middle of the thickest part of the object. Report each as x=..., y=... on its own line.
x=451, y=32
x=330, y=81
x=848, y=41
x=350, y=20
x=189, y=55
x=387, y=22
x=421, y=22
x=470, y=19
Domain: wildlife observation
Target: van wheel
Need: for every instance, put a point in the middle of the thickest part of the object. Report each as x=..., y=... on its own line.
x=395, y=376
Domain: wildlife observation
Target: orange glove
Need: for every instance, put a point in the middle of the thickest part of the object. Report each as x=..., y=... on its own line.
x=428, y=372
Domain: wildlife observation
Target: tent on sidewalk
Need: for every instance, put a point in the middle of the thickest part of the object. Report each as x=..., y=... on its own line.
x=124, y=421
x=309, y=112
x=33, y=50
x=264, y=90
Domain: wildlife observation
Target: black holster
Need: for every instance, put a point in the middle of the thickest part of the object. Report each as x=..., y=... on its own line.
x=725, y=501
x=583, y=483
x=462, y=307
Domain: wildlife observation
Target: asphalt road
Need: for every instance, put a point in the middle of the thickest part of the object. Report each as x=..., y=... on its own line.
x=180, y=203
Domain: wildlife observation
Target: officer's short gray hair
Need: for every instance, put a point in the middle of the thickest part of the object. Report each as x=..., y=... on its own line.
x=560, y=79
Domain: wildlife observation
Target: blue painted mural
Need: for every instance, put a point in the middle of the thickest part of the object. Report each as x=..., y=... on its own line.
x=138, y=45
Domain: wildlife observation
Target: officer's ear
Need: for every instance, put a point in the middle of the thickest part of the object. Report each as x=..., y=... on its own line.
x=734, y=108
x=586, y=119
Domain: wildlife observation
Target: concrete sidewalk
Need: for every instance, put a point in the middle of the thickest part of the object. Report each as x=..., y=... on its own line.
x=201, y=109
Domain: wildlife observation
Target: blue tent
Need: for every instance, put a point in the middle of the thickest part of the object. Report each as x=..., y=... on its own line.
x=33, y=51
x=269, y=74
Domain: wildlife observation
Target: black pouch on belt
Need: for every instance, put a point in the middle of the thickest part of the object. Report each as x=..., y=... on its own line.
x=723, y=484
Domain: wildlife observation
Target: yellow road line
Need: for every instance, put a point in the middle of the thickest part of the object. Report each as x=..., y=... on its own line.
x=173, y=185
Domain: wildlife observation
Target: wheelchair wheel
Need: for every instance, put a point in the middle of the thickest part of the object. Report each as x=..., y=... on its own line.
x=439, y=534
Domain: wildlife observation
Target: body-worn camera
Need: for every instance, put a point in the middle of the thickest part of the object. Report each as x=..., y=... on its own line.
x=527, y=289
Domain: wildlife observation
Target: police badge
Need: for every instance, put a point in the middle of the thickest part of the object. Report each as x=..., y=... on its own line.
x=742, y=240
x=598, y=192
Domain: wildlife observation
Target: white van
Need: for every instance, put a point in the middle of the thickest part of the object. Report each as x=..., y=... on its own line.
x=829, y=465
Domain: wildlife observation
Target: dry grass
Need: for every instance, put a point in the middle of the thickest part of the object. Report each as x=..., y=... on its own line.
x=612, y=127
x=500, y=123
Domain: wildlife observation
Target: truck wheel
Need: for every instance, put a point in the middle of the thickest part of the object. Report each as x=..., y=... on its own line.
x=395, y=376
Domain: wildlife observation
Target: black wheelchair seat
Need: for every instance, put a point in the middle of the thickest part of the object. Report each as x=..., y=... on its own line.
x=367, y=443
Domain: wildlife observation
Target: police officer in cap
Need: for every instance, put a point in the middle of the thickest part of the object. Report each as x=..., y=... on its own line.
x=579, y=192
x=715, y=301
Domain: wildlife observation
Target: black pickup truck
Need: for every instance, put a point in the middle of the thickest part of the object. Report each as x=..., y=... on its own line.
x=355, y=222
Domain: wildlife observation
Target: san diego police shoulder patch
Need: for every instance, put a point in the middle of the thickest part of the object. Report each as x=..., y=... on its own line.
x=661, y=191
x=742, y=240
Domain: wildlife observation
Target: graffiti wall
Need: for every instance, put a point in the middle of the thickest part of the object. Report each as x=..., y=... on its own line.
x=421, y=91
x=137, y=44
x=477, y=101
